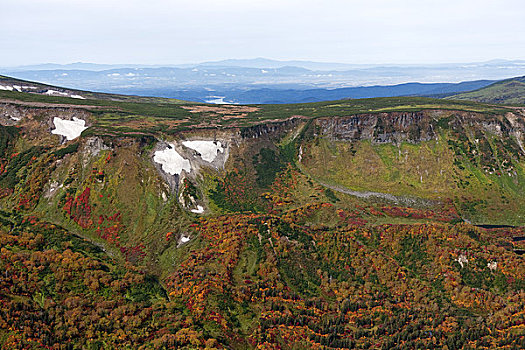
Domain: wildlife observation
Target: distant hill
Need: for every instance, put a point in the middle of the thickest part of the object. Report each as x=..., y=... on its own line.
x=276, y=95
x=510, y=91
x=316, y=95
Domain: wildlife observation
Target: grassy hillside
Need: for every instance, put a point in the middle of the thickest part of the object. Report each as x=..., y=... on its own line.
x=510, y=92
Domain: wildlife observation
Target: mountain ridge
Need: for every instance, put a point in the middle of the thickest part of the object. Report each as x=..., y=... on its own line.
x=508, y=91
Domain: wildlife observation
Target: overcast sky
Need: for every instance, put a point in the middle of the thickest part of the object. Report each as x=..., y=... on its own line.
x=183, y=31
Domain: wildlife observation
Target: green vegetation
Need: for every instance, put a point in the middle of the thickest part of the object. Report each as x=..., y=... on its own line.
x=7, y=135
x=19, y=163
x=509, y=92
x=72, y=148
x=267, y=164
x=469, y=164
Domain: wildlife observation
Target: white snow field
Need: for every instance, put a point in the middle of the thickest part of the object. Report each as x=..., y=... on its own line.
x=71, y=129
x=207, y=149
x=171, y=161
x=199, y=210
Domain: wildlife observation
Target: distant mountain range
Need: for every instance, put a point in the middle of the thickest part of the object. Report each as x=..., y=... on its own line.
x=269, y=81
x=279, y=96
x=262, y=63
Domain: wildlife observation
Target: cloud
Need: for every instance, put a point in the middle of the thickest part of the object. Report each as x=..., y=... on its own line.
x=167, y=31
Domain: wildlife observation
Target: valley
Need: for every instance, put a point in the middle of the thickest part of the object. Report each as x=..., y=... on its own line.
x=133, y=222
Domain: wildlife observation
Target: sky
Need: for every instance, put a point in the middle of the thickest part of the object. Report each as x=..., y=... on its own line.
x=189, y=31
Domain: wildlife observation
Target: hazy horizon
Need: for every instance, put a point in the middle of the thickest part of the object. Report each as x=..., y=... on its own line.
x=161, y=32
x=158, y=65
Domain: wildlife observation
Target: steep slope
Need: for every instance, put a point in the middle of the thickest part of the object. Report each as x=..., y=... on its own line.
x=510, y=91
x=332, y=225
x=476, y=160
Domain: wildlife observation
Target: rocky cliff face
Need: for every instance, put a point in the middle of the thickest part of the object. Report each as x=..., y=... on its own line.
x=271, y=129
x=416, y=127
x=379, y=128
x=122, y=170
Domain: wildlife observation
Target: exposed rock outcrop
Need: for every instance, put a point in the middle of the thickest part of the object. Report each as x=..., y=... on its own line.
x=271, y=129
x=379, y=128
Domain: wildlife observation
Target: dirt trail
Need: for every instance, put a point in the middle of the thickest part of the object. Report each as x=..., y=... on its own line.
x=405, y=200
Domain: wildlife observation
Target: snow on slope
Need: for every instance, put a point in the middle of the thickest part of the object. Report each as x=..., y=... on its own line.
x=65, y=94
x=199, y=210
x=48, y=92
x=171, y=161
x=55, y=93
x=207, y=149
x=71, y=129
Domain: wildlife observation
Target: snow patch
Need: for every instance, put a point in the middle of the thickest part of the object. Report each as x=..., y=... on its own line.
x=54, y=92
x=58, y=93
x=183, y=240
x=171, y=161
x=207, y=149
x=462, y=260
x=6, y=88
x=71, y=129
x=199, y=210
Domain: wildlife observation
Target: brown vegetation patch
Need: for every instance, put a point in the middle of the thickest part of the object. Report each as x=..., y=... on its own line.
x=223, y=109
x=144, y=123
